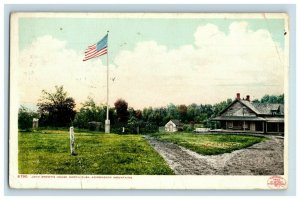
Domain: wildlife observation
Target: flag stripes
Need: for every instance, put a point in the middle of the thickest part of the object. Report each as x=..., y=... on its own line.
x=96, y=50
x=95, y=54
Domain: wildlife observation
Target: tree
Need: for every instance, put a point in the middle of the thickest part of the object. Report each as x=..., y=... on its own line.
x=157, y=117
x=172, y=112
x=134, y=124
x=131, y=112
x=151, y=119
x=56, y=108
x=182, y=110
x=272, y=99
x=218, y=107
x=121, y=107
x=90, y=112
x=191, y=112
x=139, y=114
x=25, y=117
x=280, y=99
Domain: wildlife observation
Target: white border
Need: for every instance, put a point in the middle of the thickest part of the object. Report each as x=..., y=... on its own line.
x=133, y=182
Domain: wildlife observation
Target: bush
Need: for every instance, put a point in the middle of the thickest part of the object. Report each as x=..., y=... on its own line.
x=118, y=128
x=95, y=126
x=149, y=128
x=188, y=128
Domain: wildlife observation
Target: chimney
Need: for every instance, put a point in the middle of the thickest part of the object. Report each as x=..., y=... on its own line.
x=248, y=98
x=238, y=96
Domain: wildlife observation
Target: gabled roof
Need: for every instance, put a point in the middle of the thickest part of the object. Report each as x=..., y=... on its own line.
x=176, y=122
x=250, y=106
x=259, y=108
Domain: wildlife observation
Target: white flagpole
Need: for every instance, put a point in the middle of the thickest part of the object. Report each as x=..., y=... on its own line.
x=107, y=121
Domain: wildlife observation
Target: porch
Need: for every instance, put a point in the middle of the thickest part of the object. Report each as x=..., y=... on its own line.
x=260, y=125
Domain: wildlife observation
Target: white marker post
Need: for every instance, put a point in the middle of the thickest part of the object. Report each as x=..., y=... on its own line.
x=72, y=141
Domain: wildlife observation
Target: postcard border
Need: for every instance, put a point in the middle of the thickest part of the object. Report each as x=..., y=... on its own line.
x=286, y=140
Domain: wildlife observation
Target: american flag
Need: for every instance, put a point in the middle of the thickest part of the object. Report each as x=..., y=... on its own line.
x=96, y=50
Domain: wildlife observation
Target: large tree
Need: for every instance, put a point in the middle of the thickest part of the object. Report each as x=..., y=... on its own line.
x=121, y=107
x=182, y=110
x=172, y=111
x=56, y=108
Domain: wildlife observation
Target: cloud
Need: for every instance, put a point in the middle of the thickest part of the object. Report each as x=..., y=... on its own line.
x=48, y=62
x=215, y=67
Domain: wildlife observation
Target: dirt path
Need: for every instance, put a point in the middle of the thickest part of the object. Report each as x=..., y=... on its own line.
x=264, y=158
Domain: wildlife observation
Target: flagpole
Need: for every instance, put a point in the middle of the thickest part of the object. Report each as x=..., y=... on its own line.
x=107, y=121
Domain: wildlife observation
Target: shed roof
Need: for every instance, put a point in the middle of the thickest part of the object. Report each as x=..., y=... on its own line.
x=176, y=122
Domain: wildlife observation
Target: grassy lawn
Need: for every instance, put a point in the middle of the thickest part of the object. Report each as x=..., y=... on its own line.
x=48, y=152
x=210, y=144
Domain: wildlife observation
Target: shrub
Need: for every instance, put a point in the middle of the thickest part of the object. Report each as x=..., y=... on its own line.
x=188, y=128
x=95, y=126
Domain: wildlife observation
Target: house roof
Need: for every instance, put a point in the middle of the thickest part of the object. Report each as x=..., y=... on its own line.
x=176, y=122
x=267, y=108
x=250, y=106
x=260, y=108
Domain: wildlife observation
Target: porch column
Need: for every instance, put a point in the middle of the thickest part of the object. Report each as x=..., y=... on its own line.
x=266, y=127
x=263, y=126
x=226, y=125
x=277, y=127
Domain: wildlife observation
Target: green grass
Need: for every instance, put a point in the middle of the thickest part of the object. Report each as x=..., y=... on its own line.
x=48, y=152
x=210, y=144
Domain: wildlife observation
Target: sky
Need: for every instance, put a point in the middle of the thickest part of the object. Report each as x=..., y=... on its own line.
x=152, y=61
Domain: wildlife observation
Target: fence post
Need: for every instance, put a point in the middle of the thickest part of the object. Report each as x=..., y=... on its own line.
x=72, y=141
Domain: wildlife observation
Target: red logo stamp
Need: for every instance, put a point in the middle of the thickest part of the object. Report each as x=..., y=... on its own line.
x=276, y=182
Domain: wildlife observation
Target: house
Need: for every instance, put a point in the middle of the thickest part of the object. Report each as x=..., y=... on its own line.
x=173, y=125
x=242, y=115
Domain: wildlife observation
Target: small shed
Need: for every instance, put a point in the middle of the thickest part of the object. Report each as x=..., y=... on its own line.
x=173, y=125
